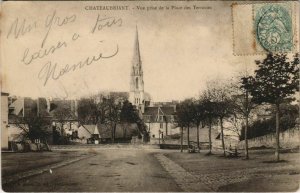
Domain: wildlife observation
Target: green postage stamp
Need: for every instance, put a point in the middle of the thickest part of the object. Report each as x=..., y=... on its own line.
x=272, y=28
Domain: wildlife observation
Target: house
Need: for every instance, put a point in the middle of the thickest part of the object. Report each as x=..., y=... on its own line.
x=103, y=132
x=160, y=121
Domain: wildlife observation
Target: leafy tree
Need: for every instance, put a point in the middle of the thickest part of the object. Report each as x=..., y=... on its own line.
x=275, y=81
x=288, y=120
x=128, y=115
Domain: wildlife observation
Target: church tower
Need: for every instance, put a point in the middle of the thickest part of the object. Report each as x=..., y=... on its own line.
x=136, y=95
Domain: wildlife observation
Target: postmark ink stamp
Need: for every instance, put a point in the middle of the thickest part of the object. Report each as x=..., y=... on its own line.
x=273, y=28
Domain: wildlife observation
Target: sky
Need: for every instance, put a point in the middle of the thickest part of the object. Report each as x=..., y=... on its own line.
x=180, y=49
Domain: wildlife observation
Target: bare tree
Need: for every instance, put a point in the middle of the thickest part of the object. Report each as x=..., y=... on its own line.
x=62, y=113
x=112, y=115
x=184, y=114
x=209, y=115
x=33, y=127
x=198, y=117
x=219, y=93
x=243, y=106
x=87, y=111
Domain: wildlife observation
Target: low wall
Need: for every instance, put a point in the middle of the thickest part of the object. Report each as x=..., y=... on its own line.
x=166, y=141
x=288, y=139
x=175, y=143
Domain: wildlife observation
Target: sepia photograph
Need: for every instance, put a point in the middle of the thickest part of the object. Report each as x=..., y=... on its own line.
x=150, y=96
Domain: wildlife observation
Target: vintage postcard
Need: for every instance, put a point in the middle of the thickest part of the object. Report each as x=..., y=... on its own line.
x=150, y=96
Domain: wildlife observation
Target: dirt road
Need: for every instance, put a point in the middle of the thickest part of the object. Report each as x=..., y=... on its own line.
x=109, y=171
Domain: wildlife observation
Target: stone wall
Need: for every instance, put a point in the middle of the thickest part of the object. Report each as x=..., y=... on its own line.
x=288, y=139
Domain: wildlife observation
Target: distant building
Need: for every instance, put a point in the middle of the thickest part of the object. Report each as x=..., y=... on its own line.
x=103, y=133
x=160, y=121
x=263, y=112
x=4, y=121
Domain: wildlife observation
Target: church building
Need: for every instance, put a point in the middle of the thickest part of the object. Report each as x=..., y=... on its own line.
x=159, y=118
x=136, y=94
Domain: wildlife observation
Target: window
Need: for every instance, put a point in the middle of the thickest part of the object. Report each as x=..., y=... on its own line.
x=137, y=83
x=161, y=125
x=161, y=118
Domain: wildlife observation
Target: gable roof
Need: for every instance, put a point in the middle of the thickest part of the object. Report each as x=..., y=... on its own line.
x=151, y=111
x=152, y=114
x=89, y=128
x=168, y=110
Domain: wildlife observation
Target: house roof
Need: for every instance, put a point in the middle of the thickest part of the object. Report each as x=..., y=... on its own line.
x=151, y=111
x=152, y=114
x=159, y=110
x=105, y=132
x=168, y=110
x=89, y=128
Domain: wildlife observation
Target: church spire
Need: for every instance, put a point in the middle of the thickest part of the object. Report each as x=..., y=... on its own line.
x=136, y=96
x=136, y=57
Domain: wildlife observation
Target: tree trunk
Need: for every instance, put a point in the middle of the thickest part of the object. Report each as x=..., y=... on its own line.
x=62, y=129
x=222, y=136
x=277, y=134
x=113, y=133
x=181, y=139
x=125, y=133
x=246, y=139
x=188, y=136
x=198, y=141
x=124, y=128
x=209, y=138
